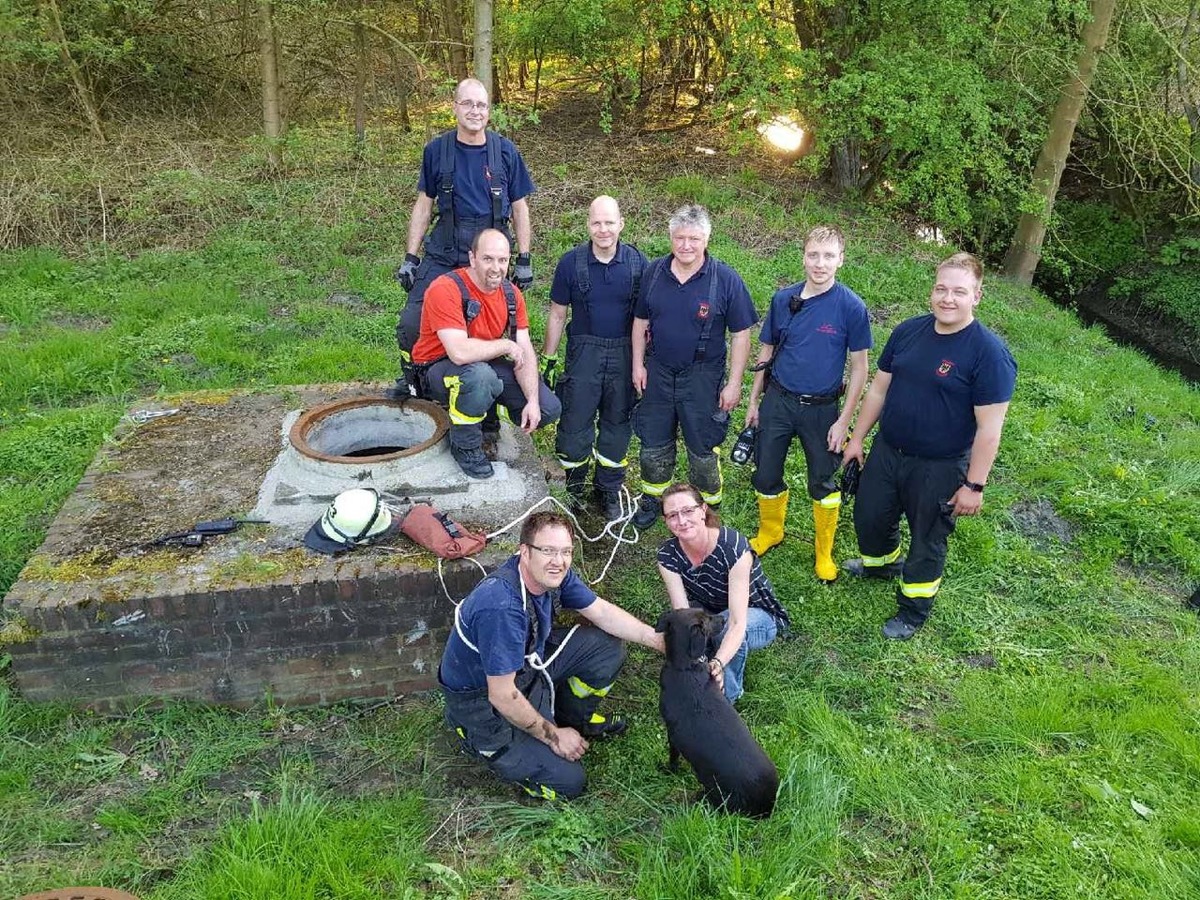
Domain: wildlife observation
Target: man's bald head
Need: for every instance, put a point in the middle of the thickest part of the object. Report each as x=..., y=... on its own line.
x=605, y=225
x=470, y=86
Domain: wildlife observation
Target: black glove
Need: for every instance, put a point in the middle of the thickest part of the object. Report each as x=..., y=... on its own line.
x=850, y=474
x=550, y=371
x=523, y=272
x=407, y=273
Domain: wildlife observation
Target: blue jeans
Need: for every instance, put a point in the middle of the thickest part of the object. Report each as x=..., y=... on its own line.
x=761, y=629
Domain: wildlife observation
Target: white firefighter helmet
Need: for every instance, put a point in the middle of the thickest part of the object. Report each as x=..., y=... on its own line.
x=353, y=518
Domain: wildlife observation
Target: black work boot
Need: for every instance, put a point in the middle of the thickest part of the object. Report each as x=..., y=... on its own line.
x=491, y=443
x=474, y=463
x=577, y=479
x=859, y=569
x=399, y=390
x=610, y=504
x=599, y=727
x=648, y=511
x=911, y=613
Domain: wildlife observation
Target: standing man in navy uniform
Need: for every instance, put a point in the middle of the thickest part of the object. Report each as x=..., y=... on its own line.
x=940, y=397
x=478, y=180
x=599, y=282
x=522, y=692
x=809, y=330
x=688, y=301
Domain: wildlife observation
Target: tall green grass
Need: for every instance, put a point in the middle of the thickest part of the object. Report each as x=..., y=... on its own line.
x=1005, y=752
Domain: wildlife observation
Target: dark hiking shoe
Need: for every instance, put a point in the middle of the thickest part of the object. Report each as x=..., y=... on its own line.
x=491, y=445
x=858, y=569
x=898, y=628
x=600, y=728
x=610, y=505
x=647, y=514
x=473, y=462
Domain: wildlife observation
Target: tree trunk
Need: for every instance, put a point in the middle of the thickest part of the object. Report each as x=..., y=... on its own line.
x=537, y=77
x=1026, y=248
x=272, y=92
x=483, y=45
x=1191, y=105
x=83, y=91
x=360, y=83
x=403, y=81
x=454, y=33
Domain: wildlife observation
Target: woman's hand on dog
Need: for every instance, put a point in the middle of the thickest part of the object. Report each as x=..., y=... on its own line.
x=568, y=743
x=716, y=669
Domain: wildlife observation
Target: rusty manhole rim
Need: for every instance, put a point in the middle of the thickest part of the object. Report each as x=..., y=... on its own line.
x=310, y=418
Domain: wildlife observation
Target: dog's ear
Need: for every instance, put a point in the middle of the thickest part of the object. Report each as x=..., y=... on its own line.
x=662, y=622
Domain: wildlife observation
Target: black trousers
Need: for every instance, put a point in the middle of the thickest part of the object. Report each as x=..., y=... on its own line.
x=782, y=417
x=582, y=673
x=597, y=395
x=895, y=484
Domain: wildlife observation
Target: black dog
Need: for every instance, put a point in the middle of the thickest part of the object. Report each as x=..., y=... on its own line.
x=735, y=772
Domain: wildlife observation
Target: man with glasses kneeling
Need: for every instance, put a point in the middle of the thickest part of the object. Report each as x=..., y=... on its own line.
x=521, y=692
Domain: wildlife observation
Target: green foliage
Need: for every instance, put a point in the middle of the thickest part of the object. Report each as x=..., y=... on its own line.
x=1169, y=284
x=1085, y=242
x=998, y=754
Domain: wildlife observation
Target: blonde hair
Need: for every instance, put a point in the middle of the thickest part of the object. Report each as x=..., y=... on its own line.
x=965, y=261
x=822, y=233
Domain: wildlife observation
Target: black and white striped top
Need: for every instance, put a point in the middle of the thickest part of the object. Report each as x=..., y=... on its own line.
x=707, y=585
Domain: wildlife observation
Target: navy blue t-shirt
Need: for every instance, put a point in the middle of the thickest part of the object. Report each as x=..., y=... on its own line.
x=812, y=358
x=472, y=178
x=677, y=312
x=607, y=309
x=494, y=620
x=937, y=381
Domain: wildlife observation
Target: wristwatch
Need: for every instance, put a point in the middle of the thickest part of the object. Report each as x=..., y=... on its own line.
x=973, y=486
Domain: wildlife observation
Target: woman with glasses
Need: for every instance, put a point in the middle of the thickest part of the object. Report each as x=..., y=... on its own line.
x=711, y=567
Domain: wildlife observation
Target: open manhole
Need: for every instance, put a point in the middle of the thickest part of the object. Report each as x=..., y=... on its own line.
x=368, y=429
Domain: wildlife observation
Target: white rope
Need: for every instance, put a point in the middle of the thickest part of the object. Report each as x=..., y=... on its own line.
x=442, y=578
x=614, y=530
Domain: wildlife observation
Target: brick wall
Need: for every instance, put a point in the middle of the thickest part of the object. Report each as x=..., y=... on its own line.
x=348, y=631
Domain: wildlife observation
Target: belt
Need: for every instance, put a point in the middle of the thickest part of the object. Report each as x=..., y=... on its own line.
x=810, y=399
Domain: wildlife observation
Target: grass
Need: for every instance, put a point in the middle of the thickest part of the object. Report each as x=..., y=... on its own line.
x=1040, y=739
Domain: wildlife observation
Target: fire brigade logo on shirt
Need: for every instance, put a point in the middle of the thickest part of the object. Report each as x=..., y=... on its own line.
x=945, y=367
x=702, y=312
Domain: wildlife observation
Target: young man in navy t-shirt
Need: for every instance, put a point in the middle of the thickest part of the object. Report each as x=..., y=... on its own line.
x=940, y=396
x=810, y=329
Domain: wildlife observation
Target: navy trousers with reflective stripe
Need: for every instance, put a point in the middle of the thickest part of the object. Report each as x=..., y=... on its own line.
x=481, y=386
x=894, y=484
x=592, y=656
x=597, y=389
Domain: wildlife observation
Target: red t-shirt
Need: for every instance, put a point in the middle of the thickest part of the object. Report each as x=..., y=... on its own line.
x=444, y=309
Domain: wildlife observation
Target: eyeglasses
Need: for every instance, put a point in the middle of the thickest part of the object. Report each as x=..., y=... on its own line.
x=554, y=552
x=680, y=513
x=480, y=105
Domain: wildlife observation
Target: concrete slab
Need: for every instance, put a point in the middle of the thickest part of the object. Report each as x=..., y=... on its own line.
x=101, y=616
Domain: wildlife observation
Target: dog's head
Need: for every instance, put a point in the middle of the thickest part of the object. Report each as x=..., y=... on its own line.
x=686, y=633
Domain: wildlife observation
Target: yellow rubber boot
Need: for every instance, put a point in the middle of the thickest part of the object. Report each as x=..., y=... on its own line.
x=825, y=519
x=772, y=511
